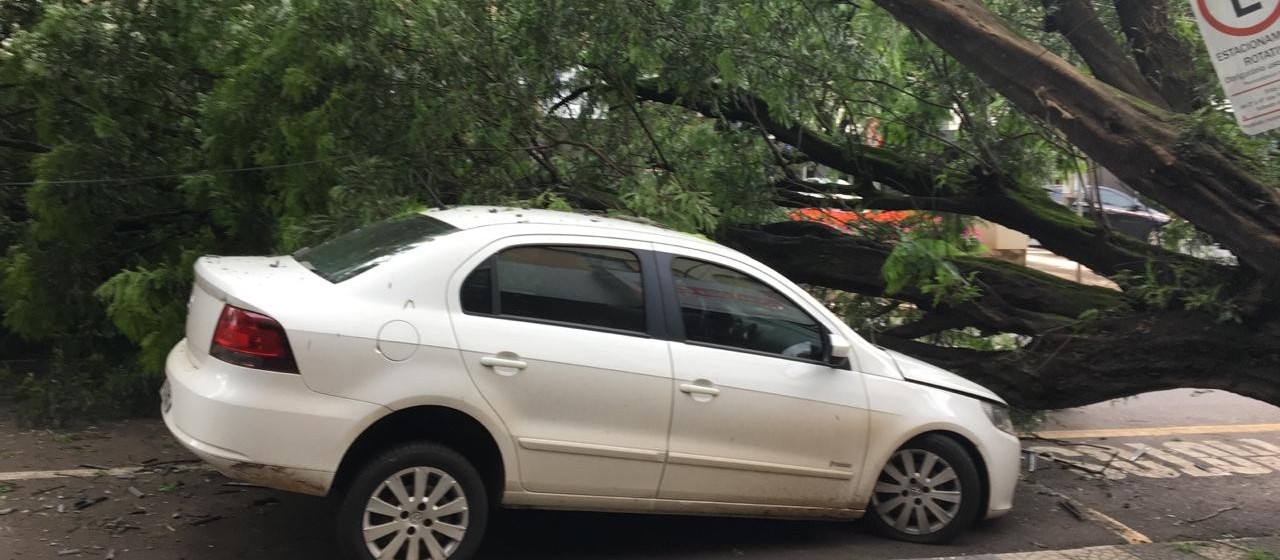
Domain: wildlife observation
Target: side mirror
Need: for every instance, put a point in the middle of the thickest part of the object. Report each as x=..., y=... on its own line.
x=838, y=349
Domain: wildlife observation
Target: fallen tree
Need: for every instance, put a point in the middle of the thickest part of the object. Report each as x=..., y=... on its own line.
x=1178, y=322
x=125, y=157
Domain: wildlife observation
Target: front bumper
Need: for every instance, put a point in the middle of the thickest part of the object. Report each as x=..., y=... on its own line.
x=1003, y=455
x=261, y=427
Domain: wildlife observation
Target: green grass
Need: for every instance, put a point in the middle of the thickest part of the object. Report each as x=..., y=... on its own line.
x=1259, y=554
x=65, y=438
x=1187, y=547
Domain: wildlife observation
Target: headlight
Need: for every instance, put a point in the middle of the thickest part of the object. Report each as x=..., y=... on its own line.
x=999, y=416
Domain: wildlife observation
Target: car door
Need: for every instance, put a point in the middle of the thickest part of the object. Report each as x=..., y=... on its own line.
x=1126, y=214
x=556, y=331
x=757, y=416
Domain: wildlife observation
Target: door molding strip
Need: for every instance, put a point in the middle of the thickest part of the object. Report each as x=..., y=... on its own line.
x=595, y=450
x=674, y=507
x=758, y=466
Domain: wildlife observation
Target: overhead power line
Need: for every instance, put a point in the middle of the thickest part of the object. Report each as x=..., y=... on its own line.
x=191, y=173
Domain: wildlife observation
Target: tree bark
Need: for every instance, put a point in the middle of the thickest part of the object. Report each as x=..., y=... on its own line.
x=1122, y=356
x=1161, y=55
x=1077, y=21
x=1138, y=142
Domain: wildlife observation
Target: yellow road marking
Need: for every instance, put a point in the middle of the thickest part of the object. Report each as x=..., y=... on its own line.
x=1157, y=432
x=1129, y=534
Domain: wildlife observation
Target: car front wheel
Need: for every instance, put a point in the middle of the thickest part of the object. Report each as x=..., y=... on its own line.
x=415, y=502
x=928, y=492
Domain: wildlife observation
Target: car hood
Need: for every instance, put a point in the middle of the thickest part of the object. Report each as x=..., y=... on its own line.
x=934, y=376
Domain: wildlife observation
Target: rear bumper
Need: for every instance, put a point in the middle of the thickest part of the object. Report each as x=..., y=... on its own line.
x=261, y=427
x=302, y=481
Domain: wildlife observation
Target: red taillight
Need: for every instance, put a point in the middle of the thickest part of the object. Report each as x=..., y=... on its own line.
x=252, y=340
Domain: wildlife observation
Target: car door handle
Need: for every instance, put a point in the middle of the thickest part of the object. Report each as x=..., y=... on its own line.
x=694, y=389
x=496, y=362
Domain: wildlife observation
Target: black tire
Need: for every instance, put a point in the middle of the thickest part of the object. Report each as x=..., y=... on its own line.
x=913, y=493
x=431, y=459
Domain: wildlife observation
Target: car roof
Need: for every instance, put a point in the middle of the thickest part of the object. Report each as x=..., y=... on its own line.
x=469, y=217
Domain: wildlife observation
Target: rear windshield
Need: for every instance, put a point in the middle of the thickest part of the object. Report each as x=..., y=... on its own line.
x=350, y=254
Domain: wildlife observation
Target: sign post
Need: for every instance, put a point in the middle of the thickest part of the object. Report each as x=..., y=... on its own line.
x=1243, y=37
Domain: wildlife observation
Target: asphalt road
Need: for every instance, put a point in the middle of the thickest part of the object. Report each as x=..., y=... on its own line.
x=1195, y=480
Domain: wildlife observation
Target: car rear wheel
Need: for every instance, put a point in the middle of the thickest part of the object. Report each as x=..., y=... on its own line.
x=928, y=492
x=415, y=502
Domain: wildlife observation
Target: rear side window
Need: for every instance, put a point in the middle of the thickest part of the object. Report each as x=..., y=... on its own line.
x=353, y=253
x=723, y=307
x=582, y=286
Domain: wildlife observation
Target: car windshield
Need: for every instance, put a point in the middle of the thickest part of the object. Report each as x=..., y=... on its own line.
x=351, y=254
x=1115, y=198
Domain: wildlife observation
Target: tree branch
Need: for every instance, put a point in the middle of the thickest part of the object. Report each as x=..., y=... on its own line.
x=1136, y=141
x=1077, y=21
x=569, y=98
x=989, y=194
x=1162, y=350
x=1160, y=53
x=1013, y=298
x=24, y=146
x=932, y=323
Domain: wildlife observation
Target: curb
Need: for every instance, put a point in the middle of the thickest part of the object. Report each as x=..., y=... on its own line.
x=1264, y=548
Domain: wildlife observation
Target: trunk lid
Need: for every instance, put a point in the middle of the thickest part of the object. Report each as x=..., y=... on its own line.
x=267, y=285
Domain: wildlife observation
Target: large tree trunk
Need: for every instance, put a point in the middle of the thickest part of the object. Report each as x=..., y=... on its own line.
x=1071, y=362
x=1139, y=142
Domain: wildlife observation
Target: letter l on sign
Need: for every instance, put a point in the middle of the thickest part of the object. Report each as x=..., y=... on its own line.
x=1242, y=11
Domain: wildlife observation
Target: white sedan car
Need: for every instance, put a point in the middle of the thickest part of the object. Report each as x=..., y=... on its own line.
x=427, y=369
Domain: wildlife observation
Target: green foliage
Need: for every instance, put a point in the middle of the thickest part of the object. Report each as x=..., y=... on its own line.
x=1259, y=554
x=1027, y=421
x=671, y=205
x=74, y=392
x=923, y=263
x=148, y=306
x=346, y=112
x=263, y=126
x=1216, y=128
x=1187, y=547
x=1184, y=287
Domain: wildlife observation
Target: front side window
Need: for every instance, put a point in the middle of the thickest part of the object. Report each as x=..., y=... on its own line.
x=724, y=307
x=588, y=286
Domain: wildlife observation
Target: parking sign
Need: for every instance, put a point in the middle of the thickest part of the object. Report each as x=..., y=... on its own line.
x=1243, y=37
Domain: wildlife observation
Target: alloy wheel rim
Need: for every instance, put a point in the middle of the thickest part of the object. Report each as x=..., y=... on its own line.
x=416, y=514
x=917, y=493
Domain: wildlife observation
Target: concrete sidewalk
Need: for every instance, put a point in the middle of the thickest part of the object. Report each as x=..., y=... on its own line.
x=1267, y=548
